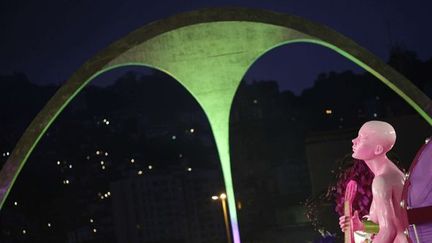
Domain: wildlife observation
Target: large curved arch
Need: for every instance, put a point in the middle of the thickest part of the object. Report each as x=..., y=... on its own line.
x=208, y=52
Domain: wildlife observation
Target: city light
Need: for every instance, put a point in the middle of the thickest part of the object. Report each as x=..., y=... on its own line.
x=49, y=225
x=192, y=130
x=16, y=203
x=103, y=167
x=24, y=231
x=106, y=153
x=58, y=162
x=97, y=152
x=132, y=161
x=106, y=121
x=102, y=162
x=91, y=220
x=239, y=205
x=70, y=166
x=140, y=172
x=189, y=169
x=328, y=111
x=221, y=196
x=94, y=230
x=150, y=167
x=173, y=137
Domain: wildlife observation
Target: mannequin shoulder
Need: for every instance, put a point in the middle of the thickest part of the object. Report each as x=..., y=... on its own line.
x=382, y=180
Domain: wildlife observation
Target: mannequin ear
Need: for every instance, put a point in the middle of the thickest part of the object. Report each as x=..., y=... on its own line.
x=379, y=149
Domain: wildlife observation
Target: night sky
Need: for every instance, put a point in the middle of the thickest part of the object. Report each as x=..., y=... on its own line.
x=49, y=40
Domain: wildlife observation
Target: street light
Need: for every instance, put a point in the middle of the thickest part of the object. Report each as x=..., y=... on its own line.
x=222, y=197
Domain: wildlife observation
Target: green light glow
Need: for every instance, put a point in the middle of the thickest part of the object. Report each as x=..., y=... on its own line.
x=209, y=57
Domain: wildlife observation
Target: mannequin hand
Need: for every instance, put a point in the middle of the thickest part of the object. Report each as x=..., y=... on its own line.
x=357, y=224
x=345, y=223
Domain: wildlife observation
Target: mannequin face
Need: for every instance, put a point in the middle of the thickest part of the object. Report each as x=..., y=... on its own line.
x=374, y=139
x=365, y=145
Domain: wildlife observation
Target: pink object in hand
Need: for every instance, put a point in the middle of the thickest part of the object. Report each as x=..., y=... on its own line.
x=350, y=193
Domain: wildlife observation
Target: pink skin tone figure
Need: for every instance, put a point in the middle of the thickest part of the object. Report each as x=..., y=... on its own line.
x=374, y=140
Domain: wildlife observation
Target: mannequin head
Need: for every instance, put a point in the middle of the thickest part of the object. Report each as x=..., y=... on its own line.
x=375, y=138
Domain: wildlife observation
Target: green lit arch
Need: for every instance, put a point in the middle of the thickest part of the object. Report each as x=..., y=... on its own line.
x=208, y=52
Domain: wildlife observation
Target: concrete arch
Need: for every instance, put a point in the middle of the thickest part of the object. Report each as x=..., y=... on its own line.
x=208, y=52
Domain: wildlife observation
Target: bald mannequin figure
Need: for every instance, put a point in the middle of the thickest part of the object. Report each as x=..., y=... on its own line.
x=374, y=140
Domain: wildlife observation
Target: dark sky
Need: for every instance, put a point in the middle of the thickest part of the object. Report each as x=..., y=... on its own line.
x=48, y=40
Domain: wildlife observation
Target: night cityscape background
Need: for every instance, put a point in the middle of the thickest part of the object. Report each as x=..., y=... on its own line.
x=124, y=163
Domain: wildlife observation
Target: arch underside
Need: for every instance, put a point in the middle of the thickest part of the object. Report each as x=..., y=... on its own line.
x=208, y=52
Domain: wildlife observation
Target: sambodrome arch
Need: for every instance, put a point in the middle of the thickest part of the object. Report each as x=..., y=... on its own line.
x=208, y=52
